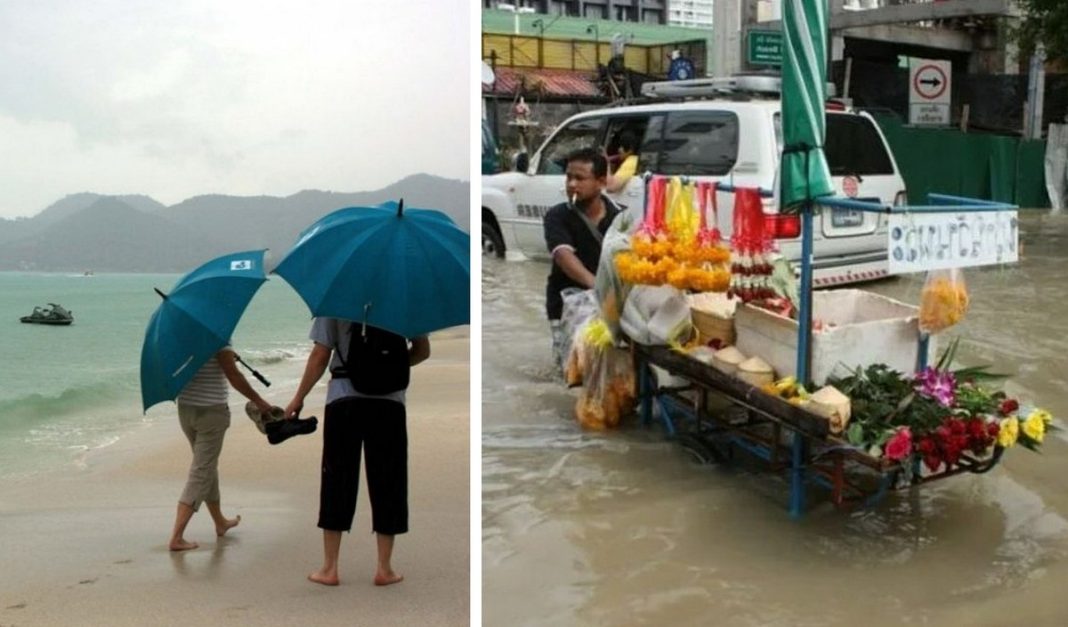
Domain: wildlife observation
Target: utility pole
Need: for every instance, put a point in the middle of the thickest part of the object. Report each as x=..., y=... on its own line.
x=1036, y=88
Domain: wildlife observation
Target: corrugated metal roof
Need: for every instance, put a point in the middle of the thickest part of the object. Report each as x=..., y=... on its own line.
x=560, y=83
x=559, y=27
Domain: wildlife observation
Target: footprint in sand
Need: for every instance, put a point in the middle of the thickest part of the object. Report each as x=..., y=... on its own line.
x=125, y=561
x=17, y=606
x=93, y=580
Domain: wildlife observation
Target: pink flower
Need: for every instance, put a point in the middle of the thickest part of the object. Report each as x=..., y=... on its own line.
x=941, y=386
x=900, y=445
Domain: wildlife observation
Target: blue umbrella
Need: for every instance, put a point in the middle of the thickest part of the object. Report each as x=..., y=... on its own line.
x=404, y=270
x=194, y=321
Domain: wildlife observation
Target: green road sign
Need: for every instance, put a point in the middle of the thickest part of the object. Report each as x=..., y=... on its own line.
x=765, y=47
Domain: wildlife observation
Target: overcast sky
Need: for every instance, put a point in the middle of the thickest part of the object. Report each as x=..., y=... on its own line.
x=177, y=98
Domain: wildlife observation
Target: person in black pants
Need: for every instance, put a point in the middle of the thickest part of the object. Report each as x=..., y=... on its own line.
x=375, y=423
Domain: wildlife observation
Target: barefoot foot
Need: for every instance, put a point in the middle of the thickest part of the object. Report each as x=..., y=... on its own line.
x=324, y=577
x=220, y=530
x=385, y=578
x=182, y=545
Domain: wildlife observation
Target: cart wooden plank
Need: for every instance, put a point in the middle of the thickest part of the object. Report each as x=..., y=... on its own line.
x=812, y=425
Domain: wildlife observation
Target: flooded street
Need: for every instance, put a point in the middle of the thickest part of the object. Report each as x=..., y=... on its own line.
x=622, y=528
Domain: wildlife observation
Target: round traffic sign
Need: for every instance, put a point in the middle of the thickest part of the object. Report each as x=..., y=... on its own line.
x=930, y=82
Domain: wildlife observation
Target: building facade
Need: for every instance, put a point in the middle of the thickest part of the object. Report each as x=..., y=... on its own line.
x=647, y=11
x=690, y=13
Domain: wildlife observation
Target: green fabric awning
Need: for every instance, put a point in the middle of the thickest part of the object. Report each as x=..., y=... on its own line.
x=804, y=173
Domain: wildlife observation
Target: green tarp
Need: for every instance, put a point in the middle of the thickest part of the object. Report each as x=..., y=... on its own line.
x=947, y=161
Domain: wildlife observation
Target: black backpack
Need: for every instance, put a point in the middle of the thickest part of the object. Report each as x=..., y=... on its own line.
x=376, y=361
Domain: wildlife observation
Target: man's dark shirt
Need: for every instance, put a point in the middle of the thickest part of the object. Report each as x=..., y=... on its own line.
x=564, y=226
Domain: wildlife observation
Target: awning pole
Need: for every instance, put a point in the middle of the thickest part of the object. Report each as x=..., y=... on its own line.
x=804, y=335
x=804, y=309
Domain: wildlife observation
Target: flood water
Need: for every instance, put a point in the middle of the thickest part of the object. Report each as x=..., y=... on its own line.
x=624, y=529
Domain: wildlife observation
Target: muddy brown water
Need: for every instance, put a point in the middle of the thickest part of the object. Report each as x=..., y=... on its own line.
x=625, y=529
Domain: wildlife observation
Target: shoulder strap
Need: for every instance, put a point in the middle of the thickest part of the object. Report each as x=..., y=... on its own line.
x=337, y=347
x=590, y=225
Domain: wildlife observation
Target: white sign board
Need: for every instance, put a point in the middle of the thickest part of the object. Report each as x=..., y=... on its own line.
x=929, y=115
x=929, y=91
x=933, y=241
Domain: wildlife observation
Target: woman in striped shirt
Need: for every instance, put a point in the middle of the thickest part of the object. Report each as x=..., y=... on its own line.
x=204, y=415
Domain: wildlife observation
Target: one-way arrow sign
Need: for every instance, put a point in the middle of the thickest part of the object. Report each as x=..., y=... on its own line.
x=930, y=81
x=929, y=92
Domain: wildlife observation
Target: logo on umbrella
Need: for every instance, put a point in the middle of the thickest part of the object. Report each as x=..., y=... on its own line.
x=241, y=264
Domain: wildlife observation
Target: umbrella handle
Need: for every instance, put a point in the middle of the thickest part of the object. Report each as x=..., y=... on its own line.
x=259, y=376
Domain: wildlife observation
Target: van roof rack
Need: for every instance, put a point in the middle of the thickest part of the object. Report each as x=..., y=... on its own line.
x=714, y=86
x=766, y=85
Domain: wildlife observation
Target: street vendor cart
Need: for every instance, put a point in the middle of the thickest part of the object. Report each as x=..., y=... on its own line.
x=914, y=423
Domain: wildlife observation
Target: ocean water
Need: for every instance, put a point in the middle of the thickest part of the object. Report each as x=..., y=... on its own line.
x=67, y=391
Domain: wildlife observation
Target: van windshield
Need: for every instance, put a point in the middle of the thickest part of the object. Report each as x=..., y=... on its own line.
x=853, y=145
x=694, y=143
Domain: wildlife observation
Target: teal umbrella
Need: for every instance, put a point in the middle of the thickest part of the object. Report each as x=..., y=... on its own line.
x=404, y=270
x=194, y=321
x=804, y=172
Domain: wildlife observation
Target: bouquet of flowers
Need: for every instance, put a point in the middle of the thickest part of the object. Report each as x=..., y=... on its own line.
x=936, y=415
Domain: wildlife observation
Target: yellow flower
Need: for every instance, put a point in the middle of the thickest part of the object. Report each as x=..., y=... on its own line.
x=1034, y=427
x=1042, y=415
x=1010, y=430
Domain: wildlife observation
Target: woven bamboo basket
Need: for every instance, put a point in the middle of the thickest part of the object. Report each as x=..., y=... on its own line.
x=712, y=327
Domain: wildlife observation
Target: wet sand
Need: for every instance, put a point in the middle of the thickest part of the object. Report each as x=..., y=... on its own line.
x=89, y=546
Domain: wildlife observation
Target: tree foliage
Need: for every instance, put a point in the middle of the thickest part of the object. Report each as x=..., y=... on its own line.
x=1044, y=21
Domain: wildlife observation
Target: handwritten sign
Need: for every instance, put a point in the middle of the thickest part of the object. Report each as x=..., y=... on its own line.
x=932, y=241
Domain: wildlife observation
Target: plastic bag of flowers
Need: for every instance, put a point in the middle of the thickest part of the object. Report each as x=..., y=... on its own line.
x=608, y=392
x=943, y=301
x=609, y=287
x=608, y=378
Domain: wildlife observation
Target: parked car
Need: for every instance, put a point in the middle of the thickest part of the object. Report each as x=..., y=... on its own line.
x=732, y=133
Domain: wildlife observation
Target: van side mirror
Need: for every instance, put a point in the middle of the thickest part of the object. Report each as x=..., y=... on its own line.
x=522, y=162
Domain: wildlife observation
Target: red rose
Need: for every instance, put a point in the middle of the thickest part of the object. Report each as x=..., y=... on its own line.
x=900, y=445
x=956, y=426
x=933, y=462
x=993, y=429
x=979, y=445
x=951, y=452
x=1008, y=407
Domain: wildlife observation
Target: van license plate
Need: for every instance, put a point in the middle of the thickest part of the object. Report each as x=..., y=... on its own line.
x=846, y=217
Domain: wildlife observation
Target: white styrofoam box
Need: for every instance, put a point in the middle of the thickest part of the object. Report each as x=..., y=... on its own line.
x=866, y=329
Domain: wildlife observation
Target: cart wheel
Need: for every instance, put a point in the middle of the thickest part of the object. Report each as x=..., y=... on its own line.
x=700, y=451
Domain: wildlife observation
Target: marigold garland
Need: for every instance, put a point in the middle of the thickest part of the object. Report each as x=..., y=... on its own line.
x=678, y=251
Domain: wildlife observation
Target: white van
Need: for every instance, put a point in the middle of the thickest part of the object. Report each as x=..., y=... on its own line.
x=734, y=136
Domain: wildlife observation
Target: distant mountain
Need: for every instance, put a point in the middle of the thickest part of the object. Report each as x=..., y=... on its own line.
x=109, y=236
x=69, y=205
x=135, y=233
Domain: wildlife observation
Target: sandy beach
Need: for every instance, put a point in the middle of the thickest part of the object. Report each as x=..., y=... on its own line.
x=87, y=546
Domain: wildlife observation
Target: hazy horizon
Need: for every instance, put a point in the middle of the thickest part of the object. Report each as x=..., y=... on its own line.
x=192, y=98
x=188, y=198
